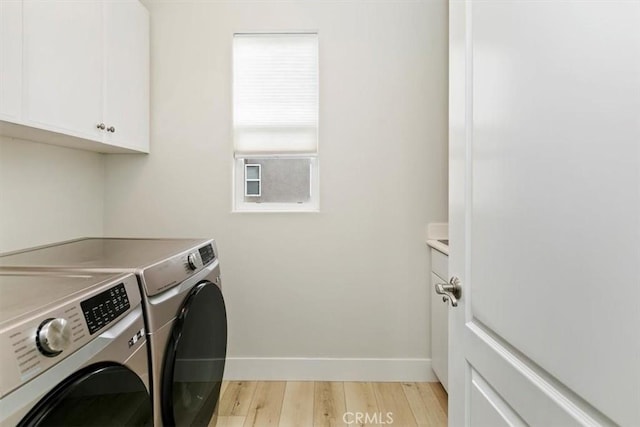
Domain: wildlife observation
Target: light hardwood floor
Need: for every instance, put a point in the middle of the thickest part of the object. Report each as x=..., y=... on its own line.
x=328, y=404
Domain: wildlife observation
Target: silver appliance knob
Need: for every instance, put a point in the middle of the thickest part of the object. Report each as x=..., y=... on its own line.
x=53, y=336
x=193, y=261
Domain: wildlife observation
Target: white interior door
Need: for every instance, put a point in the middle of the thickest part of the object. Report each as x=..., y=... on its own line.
x=545, y=212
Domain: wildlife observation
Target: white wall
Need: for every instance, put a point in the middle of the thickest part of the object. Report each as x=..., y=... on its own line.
x=351, y=281
x=48, y=194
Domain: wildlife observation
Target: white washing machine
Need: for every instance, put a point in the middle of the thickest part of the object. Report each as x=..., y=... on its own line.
x=73, y=351
x=184, y=311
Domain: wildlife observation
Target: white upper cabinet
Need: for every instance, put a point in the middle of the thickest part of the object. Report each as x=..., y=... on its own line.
x=80, y=74
x=126, y=101
x=10, y=59
x=63, y=60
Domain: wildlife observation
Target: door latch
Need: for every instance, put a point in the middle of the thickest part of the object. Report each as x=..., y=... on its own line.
x=450, y=291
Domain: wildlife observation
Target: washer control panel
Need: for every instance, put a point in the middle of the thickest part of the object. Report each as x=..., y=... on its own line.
x=53, y=336
x=207, y=254
x=173, y=271
x=101, y=309
x=193, y=262
x=38, y=340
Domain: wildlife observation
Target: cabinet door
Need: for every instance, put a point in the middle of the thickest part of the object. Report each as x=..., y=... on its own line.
x=127, y=74
x=10, y=59
x=63, y=59
x=439, y=333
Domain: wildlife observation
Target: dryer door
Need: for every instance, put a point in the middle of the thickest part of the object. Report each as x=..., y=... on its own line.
x=99, y=395
x=194, y=362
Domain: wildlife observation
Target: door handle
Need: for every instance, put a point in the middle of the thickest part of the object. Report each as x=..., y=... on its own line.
x=450, y=291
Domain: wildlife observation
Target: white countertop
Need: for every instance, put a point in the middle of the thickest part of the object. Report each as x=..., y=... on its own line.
x=439, y=246
x=436, y=232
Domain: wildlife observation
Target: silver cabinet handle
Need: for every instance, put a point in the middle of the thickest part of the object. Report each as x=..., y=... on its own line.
x=100, y=126
x=111, y=129
x=450, y=291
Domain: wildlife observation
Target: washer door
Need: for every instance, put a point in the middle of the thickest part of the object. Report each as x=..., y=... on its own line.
x=99, y=395
x=194, y=362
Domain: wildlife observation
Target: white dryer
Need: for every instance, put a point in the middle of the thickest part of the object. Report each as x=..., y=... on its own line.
x=73, y=351
x=184, y=310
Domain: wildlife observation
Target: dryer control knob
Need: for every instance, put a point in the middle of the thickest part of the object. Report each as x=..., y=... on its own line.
x=193, y=261
x=53, y=336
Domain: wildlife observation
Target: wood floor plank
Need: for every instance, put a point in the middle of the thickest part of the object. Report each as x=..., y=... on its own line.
x=441, y=395
x=236, y=398
x=266, y=405
x=392, y=399
x=297, y=407
x=329, y=404
x=223, y=388
x=263, y=404
x=229, y=422
x=361, y=403
x=434, y=413
x=426, y=410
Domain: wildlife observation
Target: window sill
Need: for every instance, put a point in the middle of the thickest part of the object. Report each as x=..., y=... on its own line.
x=277, y=210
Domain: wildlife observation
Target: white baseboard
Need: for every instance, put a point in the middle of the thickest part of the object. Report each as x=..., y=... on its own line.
x=328, y=369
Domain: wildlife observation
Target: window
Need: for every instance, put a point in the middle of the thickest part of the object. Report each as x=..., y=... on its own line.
x=275, y=122
x=252, y=179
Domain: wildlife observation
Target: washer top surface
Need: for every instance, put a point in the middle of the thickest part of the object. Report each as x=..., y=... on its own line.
x=23, y=294
x=100, y=253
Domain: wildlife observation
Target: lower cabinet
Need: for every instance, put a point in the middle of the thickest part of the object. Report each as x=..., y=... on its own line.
x=439, y=320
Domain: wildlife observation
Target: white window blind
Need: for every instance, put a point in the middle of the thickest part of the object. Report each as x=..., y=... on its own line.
x=275, y=93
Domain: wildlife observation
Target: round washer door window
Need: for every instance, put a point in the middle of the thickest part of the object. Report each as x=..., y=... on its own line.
x=194, y=362
x=99, y=395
